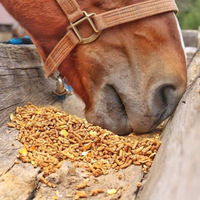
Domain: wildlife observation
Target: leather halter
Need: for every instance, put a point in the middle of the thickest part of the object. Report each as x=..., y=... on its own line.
x=99, y=22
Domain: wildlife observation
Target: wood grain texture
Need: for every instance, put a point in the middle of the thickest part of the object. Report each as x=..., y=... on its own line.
x=194, y=68
x=9, y=147
x=192, y=43
x=21, y=79
x=190, y=38
x=19, y=182
x=66, y=179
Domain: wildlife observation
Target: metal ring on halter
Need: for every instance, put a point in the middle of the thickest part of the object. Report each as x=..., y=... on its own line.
x=60, y=87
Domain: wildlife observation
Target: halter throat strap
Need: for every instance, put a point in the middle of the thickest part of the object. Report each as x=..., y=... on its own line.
x=98, y=23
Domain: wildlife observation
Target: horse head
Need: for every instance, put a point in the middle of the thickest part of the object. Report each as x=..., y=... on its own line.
x=130, y=79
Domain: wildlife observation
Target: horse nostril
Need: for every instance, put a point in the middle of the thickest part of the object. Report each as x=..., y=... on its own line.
x=167, y=93
x=164, y=100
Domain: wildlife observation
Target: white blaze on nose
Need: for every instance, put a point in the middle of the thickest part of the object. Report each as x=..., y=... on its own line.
x=181, y=37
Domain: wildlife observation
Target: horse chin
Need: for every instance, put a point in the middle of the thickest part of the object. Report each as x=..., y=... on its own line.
x=109, y=112
x=117, y=124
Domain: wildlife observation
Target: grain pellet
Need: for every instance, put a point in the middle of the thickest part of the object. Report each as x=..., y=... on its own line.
x=95, y=192
x=51, y=136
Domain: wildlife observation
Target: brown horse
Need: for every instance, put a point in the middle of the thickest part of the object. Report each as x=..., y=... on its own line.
x=130, y=79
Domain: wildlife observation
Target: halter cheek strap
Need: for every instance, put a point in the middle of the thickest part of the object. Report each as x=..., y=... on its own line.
x=98, y=23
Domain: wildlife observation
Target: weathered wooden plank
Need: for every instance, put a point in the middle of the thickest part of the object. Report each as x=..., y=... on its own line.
x=194, y=68
x=175, y=173
x=190, y=38
x=192, y=43
x=67, y=177
x=190, y=52
x=9, y=147
x=19, y=182
x=21, y=79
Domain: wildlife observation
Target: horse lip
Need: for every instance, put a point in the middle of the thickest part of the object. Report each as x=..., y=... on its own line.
x=120, y=101
x=120, y=107
x=158, y=120
x=128, y=127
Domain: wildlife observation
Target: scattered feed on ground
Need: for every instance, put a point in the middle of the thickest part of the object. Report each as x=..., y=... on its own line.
x=51, y=136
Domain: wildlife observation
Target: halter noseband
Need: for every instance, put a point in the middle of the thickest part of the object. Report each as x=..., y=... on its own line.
x=98, y=23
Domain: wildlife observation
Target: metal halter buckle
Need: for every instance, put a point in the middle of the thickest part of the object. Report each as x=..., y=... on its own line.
x=60, y=88
x=93, y=37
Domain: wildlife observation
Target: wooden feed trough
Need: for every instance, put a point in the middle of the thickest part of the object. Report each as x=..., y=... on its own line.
x=175, y=173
